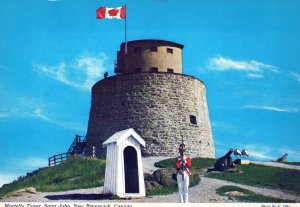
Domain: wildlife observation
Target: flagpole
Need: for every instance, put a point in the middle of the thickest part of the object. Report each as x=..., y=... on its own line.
x=125, y=29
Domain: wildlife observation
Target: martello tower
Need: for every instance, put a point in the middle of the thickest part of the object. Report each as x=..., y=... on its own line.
x=151, y=95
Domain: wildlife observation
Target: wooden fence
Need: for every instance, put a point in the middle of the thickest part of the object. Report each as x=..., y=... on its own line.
x=77, y=148
x=57, y=159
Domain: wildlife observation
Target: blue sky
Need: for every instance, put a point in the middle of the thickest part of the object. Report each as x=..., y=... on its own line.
x=52, y=52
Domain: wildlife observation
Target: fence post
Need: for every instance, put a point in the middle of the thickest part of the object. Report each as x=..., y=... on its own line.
x=94, y=151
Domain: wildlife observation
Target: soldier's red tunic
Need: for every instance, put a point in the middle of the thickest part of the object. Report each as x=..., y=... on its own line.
x=188, y=163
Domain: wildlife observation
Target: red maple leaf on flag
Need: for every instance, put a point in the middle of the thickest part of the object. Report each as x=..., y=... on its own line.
x=113, y=12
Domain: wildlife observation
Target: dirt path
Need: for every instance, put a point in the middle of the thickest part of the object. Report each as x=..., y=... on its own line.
x=276, y=164
x=205, y=192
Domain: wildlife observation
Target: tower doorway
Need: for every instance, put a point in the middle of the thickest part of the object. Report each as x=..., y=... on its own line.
x=131, y=170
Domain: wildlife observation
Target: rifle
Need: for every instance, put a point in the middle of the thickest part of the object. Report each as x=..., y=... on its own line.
x=182, y=161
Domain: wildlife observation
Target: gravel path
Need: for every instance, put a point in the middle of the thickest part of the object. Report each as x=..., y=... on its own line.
x=205, y=192
x=277, y=164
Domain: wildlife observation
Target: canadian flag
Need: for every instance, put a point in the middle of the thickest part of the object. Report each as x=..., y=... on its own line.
x=111, y=13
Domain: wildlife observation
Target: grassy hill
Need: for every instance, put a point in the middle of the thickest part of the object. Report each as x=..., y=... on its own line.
x=75, y=173
x=263, y=176
x=78, y=173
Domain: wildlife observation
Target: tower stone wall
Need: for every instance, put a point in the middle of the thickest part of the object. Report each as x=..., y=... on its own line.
x=160, y=107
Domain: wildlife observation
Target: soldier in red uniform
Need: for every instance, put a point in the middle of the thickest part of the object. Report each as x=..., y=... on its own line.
x=182, y=165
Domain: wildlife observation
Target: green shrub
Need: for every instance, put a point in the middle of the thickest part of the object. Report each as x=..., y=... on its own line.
x=165, y=190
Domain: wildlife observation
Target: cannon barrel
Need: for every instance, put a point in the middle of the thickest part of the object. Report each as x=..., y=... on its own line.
x=283, y=158
x=224, y=162
x=229, y=153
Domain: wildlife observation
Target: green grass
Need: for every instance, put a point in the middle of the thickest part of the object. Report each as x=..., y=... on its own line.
x=165, y=190
x=75, y=173
x=249, y=196
x=199, y=165
x=263, y=176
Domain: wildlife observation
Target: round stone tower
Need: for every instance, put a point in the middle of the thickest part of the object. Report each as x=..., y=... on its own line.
x=151, y=95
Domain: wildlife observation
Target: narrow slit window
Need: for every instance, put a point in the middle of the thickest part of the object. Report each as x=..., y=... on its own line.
x=170, y=50
x=170, y=70
x=193, y=120
x=153, y=70
x=153, y=49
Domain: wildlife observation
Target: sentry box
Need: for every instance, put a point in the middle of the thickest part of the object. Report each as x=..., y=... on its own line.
x=124, y=169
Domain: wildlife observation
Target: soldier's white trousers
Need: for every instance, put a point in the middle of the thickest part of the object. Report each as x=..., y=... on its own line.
x=183, y=187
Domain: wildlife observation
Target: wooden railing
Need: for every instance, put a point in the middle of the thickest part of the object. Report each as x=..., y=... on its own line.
x=77, y=141
x=57, y=159
x=77, y=147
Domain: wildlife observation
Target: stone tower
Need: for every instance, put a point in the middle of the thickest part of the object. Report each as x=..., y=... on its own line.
x=151, y=95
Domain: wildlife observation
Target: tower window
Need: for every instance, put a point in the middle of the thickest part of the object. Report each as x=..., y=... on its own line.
x=193, y=120
x=137, y=50
x=170, y=50
x=170, y=70
x=137, y=70
x=153, y=70
x=153, y=49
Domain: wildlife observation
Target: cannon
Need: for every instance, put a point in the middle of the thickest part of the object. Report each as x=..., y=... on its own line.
x=283, y=158
x=245, y=152
x=225, y=162
x=237, y=152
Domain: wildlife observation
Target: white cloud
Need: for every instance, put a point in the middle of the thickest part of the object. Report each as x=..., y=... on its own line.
x=222, y=125
x=73, y=126
x=266, y=153
x=295, y=75
x=34, y=163
x=259, y=152
x=226, y=64
x=6, y=178
x=38, y=113
x=254, y=75
x=293, y=155
x=28, y=108
x=33, y=112
x=272, y=108
x=4, y=114
x=261, y=156
x=81, y=74
x=22, y=166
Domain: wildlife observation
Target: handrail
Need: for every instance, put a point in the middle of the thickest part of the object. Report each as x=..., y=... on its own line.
x=77, y=147
x=57, y=159
x=78, y=139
